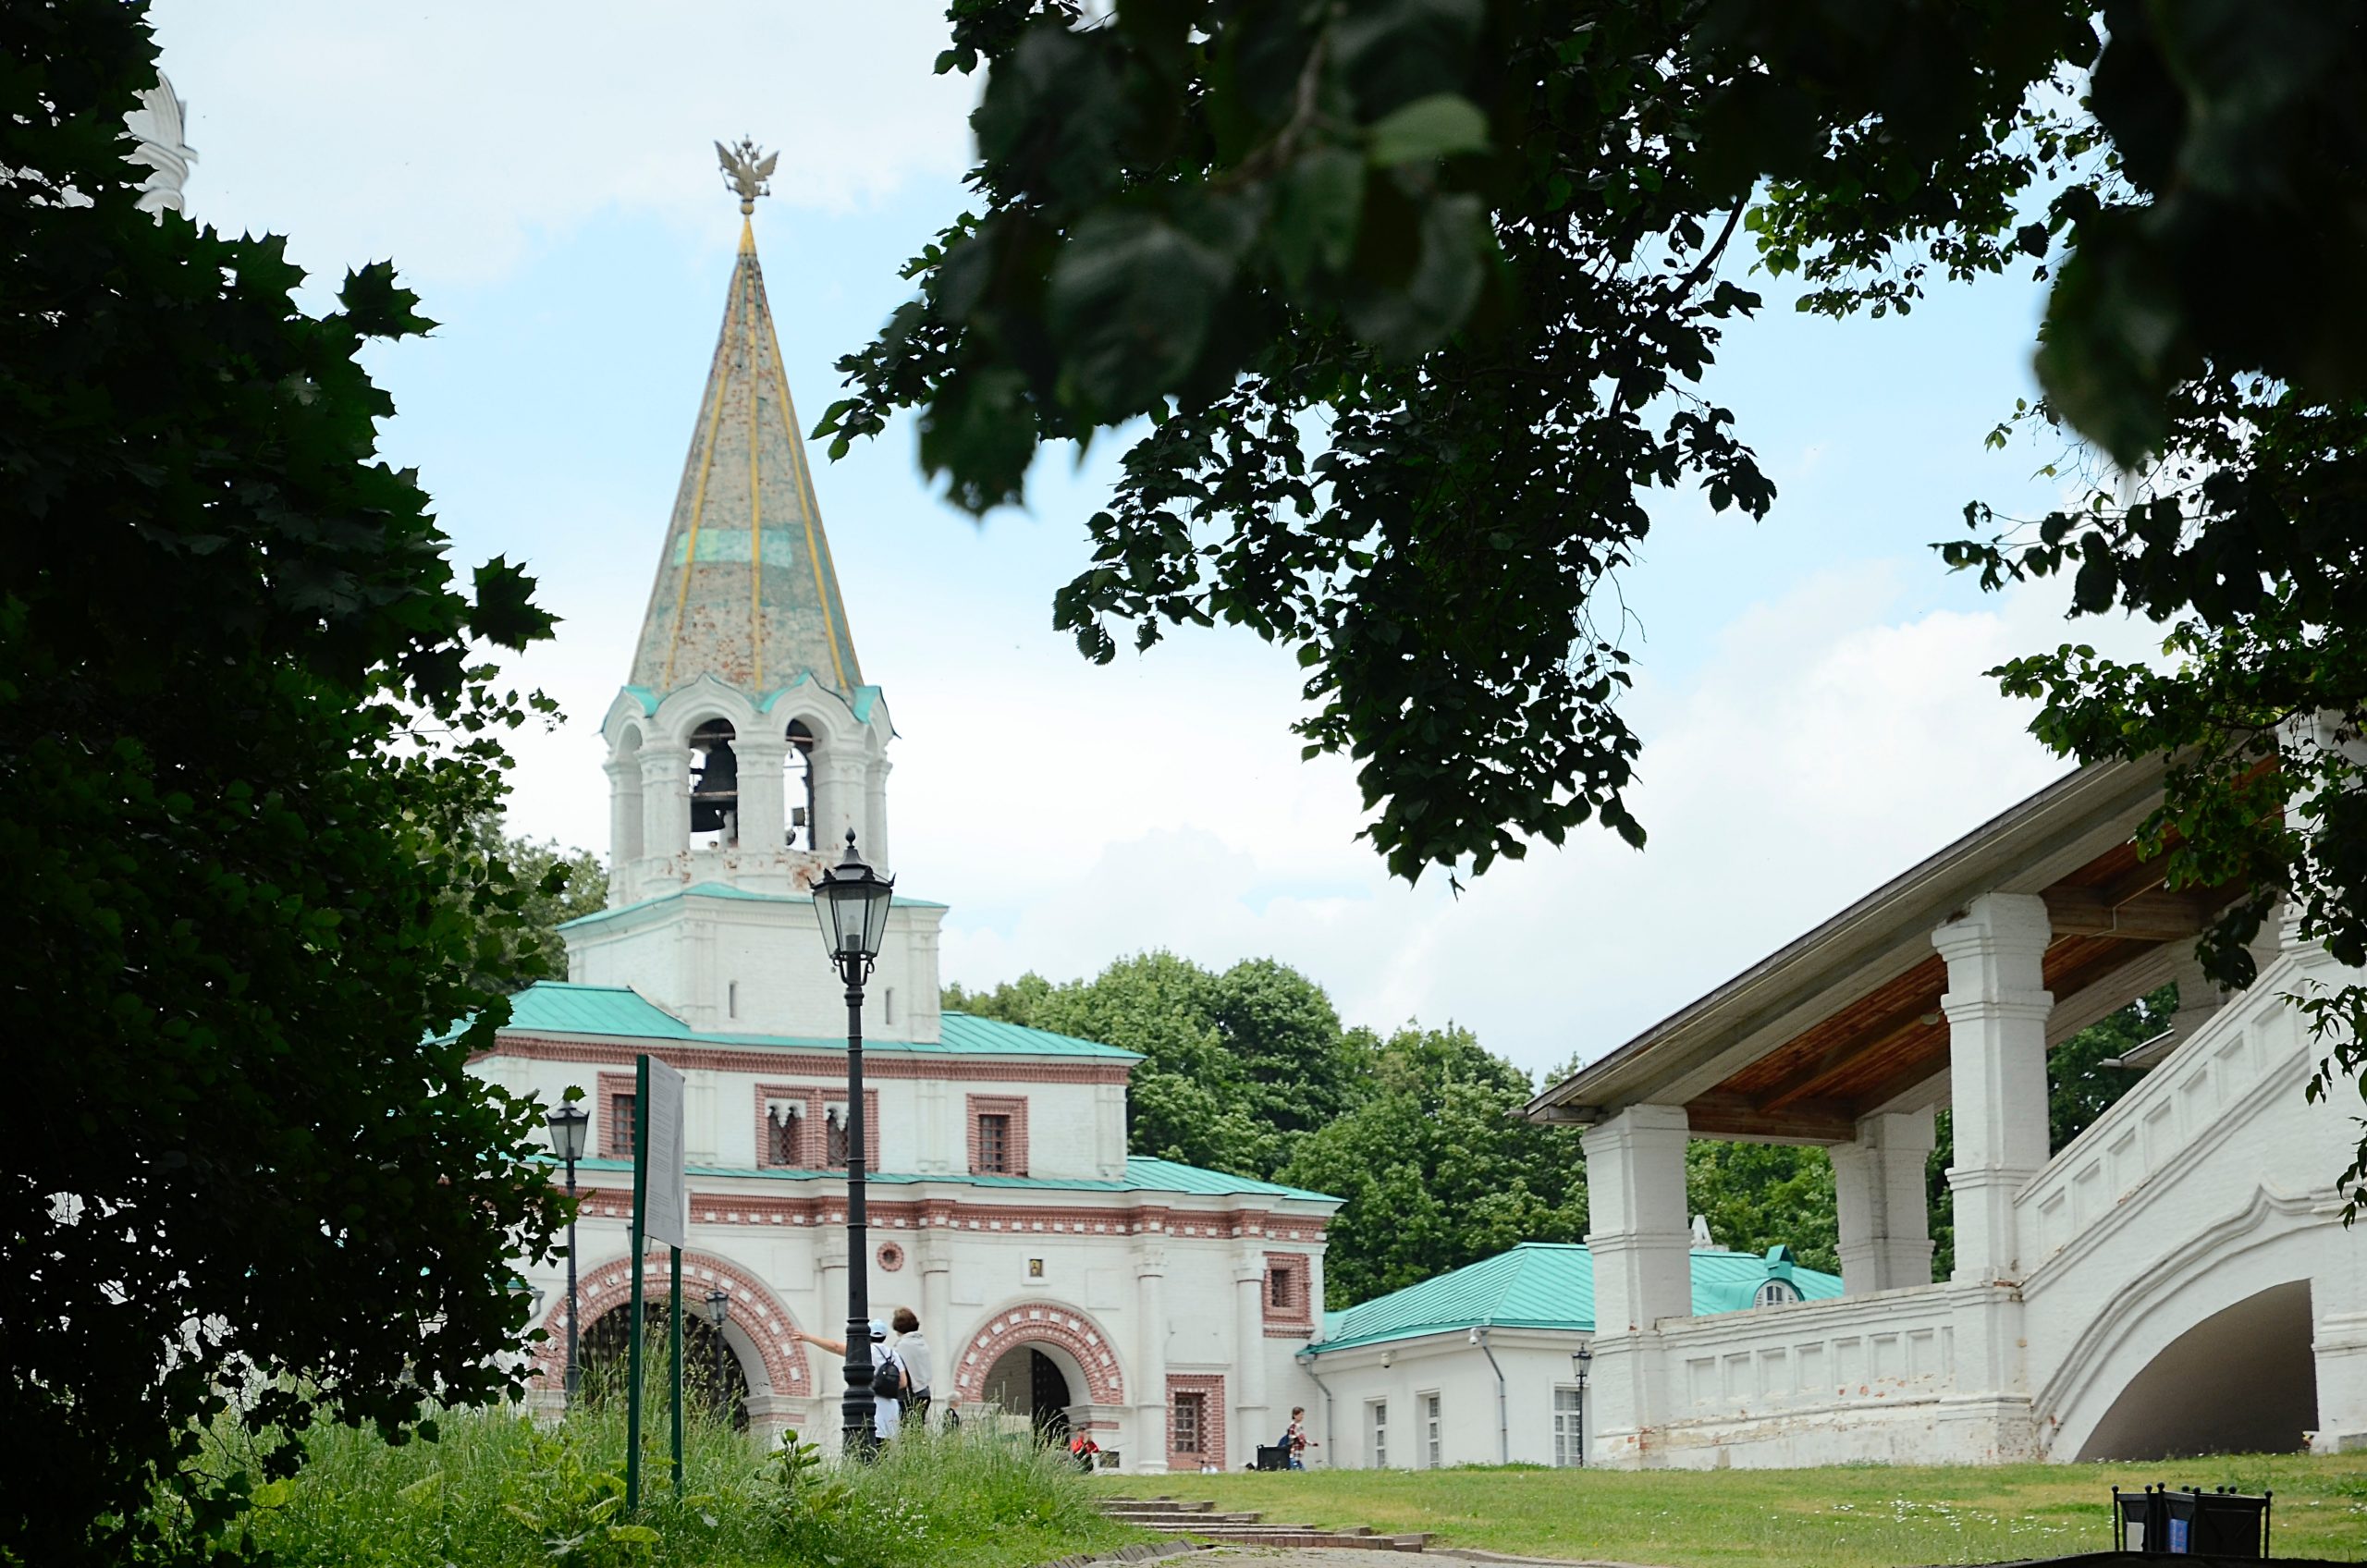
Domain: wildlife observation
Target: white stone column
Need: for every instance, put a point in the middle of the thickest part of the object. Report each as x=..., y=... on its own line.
x=2339, y=1345
x=932, y=1255
x=830, y=1319
x=1643, y=1271
x=625, y=823
x=1637, y=1229
x=1250, y=1414
x=1997, y=1005
x=763, y=817
x=838, y=803
x=874, y=813
x=665, y=801
x=1885, y=1219
x=1147, y=1452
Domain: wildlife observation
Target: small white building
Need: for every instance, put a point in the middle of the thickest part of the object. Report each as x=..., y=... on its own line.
x=1488, y=1363
x=1055, y=1276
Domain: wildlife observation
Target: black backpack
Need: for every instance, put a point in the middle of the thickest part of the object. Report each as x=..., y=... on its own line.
x=888, y=1380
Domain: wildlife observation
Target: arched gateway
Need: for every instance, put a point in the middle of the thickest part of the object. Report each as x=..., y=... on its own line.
x=1041, y=1360
x=756, y=1334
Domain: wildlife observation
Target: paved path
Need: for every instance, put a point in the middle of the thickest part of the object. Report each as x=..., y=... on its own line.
x=1342, y=1557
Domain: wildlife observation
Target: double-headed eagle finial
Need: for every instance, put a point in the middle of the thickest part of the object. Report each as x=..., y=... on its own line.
x=746, y=168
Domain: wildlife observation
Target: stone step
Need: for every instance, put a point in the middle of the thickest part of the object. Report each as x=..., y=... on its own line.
x=1180, y=1521
x=1156, y=1504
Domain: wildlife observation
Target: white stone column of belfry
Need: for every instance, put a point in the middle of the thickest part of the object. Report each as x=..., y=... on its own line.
x=1885, y=1218
x=933, y=1256
x=838, y=800
x=1250, y=1416
x=665, y=800
x=764, y=815
x=874, y=815
x=1642, y=1249
x=626, y=824
x=1146, y=1445
x=1997, y=1005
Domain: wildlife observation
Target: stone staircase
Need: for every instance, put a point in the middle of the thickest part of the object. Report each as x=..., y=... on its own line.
x=1199, y=1519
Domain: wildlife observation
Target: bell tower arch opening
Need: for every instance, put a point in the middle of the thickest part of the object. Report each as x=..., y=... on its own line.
x=797, y=785
x=2243, y=1380
x=715, y=787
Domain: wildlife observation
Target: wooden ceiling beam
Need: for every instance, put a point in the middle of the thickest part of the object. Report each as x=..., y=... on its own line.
x=1741, y=1117
x=2144, y=917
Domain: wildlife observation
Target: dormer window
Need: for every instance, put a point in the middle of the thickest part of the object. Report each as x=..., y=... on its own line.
x=715, y=787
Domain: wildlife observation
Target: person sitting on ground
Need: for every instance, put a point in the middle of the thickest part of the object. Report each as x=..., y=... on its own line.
x=1082, y=1448
x=887, y=1413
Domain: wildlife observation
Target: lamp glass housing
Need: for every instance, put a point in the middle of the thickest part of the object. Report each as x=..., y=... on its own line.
x=853, y=900
x=719, y=1307
x=568, y=1123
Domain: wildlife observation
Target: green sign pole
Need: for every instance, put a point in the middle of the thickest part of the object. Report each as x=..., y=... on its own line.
x=676, y=1316
x=639, y=1216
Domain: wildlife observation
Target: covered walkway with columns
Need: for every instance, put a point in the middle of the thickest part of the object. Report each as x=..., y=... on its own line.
x=1946, y=988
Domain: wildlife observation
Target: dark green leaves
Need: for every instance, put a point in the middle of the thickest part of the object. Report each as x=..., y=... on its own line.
x=1427, y=130
x=1130, y=304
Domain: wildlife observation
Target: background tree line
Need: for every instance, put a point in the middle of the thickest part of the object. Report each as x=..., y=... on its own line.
x=1250, y=1071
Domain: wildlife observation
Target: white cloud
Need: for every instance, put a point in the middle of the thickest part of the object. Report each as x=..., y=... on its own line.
x=453, y=134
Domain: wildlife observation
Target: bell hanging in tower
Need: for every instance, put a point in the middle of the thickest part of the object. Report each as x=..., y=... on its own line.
x=715, y=787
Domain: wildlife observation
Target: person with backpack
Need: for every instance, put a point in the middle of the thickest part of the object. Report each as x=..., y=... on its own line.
x=887, y=1378
x=912, y=1354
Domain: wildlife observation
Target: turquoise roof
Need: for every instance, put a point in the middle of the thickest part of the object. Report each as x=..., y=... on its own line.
x=563, y=1007
x=717, y=891
x=1143, y=1175
x=1549, y=1285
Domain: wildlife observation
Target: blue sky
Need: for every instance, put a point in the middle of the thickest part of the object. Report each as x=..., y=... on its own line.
x=1814, y=716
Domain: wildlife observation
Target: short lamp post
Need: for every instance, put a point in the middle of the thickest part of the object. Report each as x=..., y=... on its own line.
x=1581, y=1363
x=718, y=1313
x=568, y=1122
x=853, y=902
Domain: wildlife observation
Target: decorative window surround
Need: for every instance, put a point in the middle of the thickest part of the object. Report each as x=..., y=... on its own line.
x=1288, y=1296
x=811, y=1100
x=1210, y=1393
x=612, y=1087
x=1014, y=1108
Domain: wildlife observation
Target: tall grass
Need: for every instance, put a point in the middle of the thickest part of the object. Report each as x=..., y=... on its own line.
x=497, y=1491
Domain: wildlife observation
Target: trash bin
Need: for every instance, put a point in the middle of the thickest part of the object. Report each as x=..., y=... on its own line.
x=2220, y=1522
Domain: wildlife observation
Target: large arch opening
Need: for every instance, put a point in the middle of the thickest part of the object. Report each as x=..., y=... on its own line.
x=797, y=785
x=1030, y=1382
x=712, y=1374
x=715, y=787
x=2243, y=1380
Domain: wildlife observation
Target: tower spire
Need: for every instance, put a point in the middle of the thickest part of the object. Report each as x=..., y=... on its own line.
x=745, y=590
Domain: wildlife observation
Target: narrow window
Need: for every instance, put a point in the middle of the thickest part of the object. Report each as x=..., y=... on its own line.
x=622, y=1109
x=1569, y=1429
x=994, y=1144
x=781, y=1136
x=731, y=998
x=1380, y=1434
x=887, y=1005
x=1191, y=1424
x=1278, y=1286
x=1430, y=1430
x=834, y=1138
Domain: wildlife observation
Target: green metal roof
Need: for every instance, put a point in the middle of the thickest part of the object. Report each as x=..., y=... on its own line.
x=1142, y=1176
x=716, y=890
x=1549, y=1285
x=564, y=1008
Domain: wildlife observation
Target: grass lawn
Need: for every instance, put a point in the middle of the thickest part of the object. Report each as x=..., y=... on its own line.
x=1851, y=1517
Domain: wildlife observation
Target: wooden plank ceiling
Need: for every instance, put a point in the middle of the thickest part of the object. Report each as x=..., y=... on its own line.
x=1815, y=1085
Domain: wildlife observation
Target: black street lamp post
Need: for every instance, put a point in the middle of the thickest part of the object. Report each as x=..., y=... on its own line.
x=853, y=902
x=718, y=1313
x=568, y=1123
x=1582, y=1362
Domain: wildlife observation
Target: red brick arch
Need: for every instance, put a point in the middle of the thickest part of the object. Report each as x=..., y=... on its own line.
x=755, y=1311
x=1042, y=1322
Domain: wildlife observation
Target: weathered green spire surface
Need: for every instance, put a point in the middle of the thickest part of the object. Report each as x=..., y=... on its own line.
x=745, y=590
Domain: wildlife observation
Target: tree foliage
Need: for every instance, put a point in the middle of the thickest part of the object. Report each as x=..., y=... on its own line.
x=242, y=741
x=559, y=884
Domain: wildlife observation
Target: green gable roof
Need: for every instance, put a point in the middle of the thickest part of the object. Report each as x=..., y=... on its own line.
x=714, y=890
x=1143, y=1175
x=1547, y=1285
x=563, y=1007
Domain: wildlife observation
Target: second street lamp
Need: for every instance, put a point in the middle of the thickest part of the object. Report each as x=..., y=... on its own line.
x=853, y=900
x=568, y=1124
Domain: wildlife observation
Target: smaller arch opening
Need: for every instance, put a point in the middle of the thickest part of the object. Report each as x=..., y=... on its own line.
x=1029, y=1383
x=715, y=787
x=712, y=1374
x=797, y=785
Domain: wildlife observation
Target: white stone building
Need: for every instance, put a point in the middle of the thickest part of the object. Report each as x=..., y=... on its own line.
x=1487, y=1364
x=2175, y=1279
x=1157, y=1306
